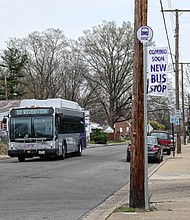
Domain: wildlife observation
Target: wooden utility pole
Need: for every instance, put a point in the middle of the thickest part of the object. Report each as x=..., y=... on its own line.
x=176, y=11
x=183, y=107
x=177, y=79
x=137, y=171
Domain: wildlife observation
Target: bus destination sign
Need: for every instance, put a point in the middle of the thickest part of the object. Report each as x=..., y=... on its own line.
x=32, y=111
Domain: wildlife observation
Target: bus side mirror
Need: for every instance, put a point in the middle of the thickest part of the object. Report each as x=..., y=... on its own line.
x=4, y=120
x=61, y=116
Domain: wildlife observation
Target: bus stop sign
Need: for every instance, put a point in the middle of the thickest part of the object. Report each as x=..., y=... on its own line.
x=145, y=34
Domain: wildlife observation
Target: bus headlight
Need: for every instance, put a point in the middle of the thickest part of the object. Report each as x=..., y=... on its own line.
x=12, y=147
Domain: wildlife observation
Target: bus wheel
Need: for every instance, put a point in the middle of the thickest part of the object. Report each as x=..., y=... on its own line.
x=62, y=156
x=79, y=152
x=168, y=152
x=21, y=159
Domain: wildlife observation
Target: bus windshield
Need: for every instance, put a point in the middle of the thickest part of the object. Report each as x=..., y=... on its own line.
x=33, y=127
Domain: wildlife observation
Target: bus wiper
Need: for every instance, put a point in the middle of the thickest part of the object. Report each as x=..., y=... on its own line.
x=31, y=139
x=39, y=139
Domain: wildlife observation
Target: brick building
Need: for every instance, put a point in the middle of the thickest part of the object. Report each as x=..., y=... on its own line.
x=122, y=127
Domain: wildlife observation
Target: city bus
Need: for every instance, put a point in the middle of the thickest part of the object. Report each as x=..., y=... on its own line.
x=46, y=128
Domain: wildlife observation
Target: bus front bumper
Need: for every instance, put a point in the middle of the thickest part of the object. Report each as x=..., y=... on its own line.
x=33, y=153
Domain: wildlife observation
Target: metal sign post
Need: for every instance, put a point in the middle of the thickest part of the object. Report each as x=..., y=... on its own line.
x=145, y=125
x=145, y=34
x=172, y=121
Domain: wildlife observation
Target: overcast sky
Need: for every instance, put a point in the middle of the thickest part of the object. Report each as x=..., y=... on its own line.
x=18, y=18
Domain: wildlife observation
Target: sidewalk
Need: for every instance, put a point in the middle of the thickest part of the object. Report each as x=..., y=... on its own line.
x=169, y=188
x=4, y=157
x=169, y=192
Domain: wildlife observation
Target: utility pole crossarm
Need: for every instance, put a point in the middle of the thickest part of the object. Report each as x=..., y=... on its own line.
x=174, y=10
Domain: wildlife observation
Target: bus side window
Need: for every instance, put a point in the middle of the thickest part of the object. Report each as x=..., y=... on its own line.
x=59, y=120
x=57, y=125
x=61, y=123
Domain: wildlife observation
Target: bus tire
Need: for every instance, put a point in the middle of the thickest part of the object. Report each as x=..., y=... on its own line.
x=21, y=159
x=168, y=152
x=64, y=150
x=79, y=152
x=62, y=156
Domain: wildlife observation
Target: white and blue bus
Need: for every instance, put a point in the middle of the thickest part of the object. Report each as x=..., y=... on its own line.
x=46, y=128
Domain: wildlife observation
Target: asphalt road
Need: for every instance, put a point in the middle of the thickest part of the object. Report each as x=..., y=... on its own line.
x=61, y=189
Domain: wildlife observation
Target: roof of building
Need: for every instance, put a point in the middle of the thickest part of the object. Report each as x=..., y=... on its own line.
x=5, y=106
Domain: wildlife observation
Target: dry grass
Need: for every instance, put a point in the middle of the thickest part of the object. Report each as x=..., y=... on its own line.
x=3, y=149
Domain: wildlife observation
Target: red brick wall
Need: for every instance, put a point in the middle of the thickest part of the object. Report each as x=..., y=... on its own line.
x=122, y=125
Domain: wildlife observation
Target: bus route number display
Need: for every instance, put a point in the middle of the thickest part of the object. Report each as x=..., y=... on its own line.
x=32, y=111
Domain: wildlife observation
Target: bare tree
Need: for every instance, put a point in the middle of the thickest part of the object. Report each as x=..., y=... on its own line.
x=45, y=66
x=108, y=52
x=186, y=86
x=75, y=87
x=55, y=67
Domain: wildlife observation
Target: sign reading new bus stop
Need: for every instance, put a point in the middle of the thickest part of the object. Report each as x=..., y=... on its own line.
x=157, y=68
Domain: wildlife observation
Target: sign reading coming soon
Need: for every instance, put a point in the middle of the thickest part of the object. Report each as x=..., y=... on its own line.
x=157, y=67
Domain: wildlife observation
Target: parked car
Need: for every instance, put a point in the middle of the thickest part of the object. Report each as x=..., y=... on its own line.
x=155, y=150
x=164, y=139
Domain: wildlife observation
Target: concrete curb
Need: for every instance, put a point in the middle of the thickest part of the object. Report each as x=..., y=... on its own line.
x=105, y=209
x=158, y=167
x=4, y=157
x=105, y=145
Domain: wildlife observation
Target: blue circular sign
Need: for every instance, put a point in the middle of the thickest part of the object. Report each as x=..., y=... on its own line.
x=145, y=34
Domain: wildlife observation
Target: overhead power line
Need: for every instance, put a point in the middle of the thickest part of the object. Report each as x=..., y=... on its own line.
x=167, y=36
x=176, y=11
